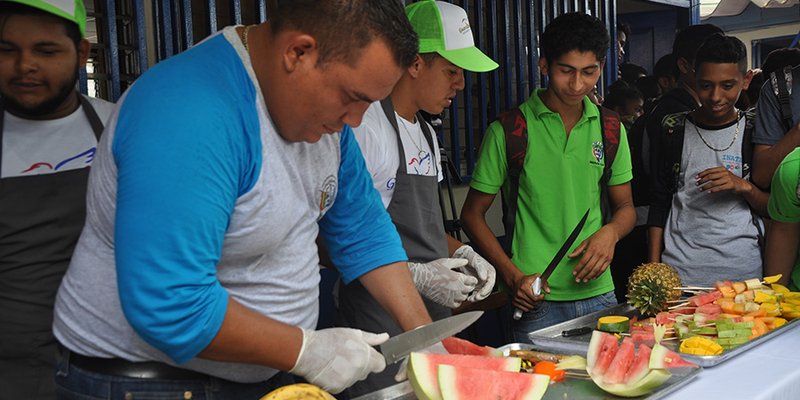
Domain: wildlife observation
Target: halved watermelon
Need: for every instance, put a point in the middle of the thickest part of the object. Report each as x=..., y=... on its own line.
x=423, y=369
x=602, y=348
x=455, y=345
x=640, y=366
x=662, y=357
x=651, y=381
x=463, y=383
x=621, y=362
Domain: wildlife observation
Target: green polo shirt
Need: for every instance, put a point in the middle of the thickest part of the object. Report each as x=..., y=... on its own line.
x=559, y=181
x=784, y=201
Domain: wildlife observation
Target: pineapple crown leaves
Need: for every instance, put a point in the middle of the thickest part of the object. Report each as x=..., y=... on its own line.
x=648, y=296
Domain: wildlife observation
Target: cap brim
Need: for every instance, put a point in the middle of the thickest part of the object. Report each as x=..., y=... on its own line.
x=470, y=59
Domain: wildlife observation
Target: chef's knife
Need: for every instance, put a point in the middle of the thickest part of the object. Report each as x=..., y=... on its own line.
x=397, y=347
x=536, y=287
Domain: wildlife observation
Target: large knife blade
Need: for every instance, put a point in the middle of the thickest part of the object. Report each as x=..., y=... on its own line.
x=398, y=347
x=536, y=287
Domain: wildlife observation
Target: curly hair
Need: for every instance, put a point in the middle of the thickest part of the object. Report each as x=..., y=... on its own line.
x=345, y=27
x=722, y=49
x=574, y=31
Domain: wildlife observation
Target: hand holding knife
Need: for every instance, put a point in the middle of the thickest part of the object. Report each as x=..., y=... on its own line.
x=538, y=283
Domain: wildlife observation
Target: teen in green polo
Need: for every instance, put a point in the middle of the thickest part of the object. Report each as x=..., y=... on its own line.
x=559, y=181
x=784, y=232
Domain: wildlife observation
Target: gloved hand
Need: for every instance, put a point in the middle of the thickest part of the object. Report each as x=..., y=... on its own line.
x=402, y=373
x=437, y=281
x=335, y=358
x=479, y=268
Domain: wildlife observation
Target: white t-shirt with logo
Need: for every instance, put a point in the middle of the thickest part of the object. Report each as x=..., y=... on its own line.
x=378, y=142
x=34, y=147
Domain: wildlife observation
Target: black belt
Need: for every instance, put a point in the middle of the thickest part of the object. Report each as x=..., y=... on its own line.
x=128, y=369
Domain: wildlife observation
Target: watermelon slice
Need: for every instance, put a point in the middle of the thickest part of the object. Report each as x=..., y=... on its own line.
x=704, y=298
x=651, y=381
x=621, y=362
x=710, y=309
x=640, y=366
x=455, y=345
x=662, y=357
x=423, y=369
x=462, y=383
x=602, y=348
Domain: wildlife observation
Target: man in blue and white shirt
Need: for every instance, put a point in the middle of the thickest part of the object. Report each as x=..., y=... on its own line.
x=219, y=168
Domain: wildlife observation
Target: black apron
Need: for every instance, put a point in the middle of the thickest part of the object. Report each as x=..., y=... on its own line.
x=41, y=217
x=416, y=213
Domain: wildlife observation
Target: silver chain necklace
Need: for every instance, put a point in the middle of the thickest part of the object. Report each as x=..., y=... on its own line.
x=735, y=136
x=420, y=153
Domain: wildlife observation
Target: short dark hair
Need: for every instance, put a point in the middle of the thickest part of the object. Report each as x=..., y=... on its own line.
x=722, y=49
x=574, y=31
x=666, y=67
x=689, y=39
x=8, y=9
x=649, y=87
x=779, y=58
x=620, y=93
x=630, y=72
x=344, y=27
x=624, y=28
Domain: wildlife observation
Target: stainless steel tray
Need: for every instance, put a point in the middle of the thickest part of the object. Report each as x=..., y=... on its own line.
x=550, y=338
x=573, y=387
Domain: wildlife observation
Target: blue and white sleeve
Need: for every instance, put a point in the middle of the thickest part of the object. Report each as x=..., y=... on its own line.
x=357, y=230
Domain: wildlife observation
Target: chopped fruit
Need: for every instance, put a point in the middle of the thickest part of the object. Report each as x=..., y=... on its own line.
x=613, y=324
x=550, y=369
x=700, y=346
x=772, y=279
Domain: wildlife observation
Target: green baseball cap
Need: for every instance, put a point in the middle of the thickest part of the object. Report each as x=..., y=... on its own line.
x=443, y=28
x=71, y=10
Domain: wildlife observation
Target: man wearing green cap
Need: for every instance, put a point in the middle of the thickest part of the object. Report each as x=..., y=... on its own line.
x=402, y=155
x=48, y=137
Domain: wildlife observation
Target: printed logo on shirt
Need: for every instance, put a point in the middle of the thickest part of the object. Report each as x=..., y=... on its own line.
x=390, y=183
x=597, y=153
x=422, y=164
x=86, y=158
x=327, y=192
x=732, y=162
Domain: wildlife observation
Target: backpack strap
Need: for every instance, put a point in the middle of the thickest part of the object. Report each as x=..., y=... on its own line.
x=610, y=124
x=516, y=135
x=673, y=126
x=782, y=86
x=747, y=142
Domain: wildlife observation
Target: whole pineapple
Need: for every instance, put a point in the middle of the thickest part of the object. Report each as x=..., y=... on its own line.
x=651, y=286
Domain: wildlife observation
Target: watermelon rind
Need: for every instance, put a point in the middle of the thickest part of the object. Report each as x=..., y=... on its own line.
x=463, y=383
x=652, y=381
x=423, y=371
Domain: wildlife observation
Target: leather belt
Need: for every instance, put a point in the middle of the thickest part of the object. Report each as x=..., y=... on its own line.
x=128, y=369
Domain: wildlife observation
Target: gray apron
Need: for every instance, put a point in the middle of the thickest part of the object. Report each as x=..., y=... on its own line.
x=41, y=217
x=416, y=214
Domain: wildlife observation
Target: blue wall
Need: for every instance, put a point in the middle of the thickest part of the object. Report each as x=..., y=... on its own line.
x=651, y=38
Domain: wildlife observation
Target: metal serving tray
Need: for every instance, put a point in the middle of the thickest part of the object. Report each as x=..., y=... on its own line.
x=550, y=338
x=571, y=388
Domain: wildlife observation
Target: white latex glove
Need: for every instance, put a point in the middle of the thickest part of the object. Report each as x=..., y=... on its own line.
x=437, y=281
x=479, y=268
x=336, y=358
x=402, y=373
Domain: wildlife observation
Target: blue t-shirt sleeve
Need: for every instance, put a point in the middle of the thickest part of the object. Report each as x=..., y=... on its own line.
x=183, y=159
x=357, y=230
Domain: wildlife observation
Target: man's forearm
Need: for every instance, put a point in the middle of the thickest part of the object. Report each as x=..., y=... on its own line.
x=623, y=221
x=249, y=337
x=781, y=251
x=392, y=287
x=655, y=243
x=479, y=232
x=767, y=158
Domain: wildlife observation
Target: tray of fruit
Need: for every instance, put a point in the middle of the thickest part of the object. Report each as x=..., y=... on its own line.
x=609, y=370
x=707, y=325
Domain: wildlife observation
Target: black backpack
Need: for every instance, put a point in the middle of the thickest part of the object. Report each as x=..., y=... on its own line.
x=515, y=128
x=782, y=86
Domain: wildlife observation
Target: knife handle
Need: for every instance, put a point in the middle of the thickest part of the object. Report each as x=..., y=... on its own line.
x=536, y=287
